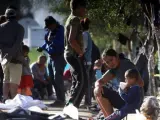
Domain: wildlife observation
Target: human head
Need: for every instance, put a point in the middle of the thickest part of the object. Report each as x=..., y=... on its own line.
x=10, y=13
x=85, y=24
x=42, y=59
x=50, y=23
x=78, y=7
x=2, y=19
x=110, y=57
x=26, y=50
x=150, y=108
x=132, y=76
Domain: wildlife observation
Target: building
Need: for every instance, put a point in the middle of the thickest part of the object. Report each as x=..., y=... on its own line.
x=34, y=33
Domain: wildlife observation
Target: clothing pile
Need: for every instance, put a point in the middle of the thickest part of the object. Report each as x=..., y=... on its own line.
x=22, y=101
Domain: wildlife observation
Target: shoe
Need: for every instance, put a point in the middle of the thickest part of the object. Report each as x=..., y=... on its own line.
x=95, y=108
x=52, y=97
x=58, y=103
x=84, y=106
x=45, y=97
x=99, y=116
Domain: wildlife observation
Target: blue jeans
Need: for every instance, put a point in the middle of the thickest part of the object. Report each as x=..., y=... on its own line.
x=56, y=68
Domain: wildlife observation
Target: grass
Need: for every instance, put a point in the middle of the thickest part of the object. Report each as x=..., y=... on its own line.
x=33, y=55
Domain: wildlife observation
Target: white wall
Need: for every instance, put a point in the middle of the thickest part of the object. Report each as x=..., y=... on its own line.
x=36, y=36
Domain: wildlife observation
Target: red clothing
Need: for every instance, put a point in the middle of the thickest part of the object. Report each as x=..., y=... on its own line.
x=26, y=81
x=67, y=75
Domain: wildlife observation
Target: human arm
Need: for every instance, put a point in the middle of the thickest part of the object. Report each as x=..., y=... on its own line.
x=57, y=40
x=130, y=95
x=44, y=46
x=75, y=25
x=101, y=82
x=35, y=73
x=109, y=75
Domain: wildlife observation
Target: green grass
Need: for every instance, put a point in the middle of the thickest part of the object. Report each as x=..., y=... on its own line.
x=33, y=55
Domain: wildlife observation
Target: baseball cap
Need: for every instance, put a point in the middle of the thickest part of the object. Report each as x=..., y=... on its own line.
x=49, y=20
x=10, y=13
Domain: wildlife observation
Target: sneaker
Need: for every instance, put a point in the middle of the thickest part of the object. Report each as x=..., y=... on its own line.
x=52, y=97
x=99, y=116
x=95, y=108
x=84, y=106
x=58, y=103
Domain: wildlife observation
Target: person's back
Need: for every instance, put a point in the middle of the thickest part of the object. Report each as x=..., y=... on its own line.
x=9, y=32
x=11, y=37
x=134, y=99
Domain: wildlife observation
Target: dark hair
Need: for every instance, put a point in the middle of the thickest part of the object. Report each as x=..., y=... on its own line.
x=122, y=56
x=109, y=52
x=2, y=19
x=85, y=23
x=42, y=56
x=12, y=7
x=25, y=48
x=74, y=4
x=132, y=73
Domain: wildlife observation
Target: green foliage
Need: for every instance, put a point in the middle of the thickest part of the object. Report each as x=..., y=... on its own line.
x=108, y=17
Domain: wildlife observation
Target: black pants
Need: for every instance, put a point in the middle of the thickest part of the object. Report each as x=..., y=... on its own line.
x=41, y=86
x=1, y=81
x=88, y=95
x=56, y=68
x=79, y=83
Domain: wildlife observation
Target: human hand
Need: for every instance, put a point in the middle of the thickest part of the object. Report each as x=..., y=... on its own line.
x=39, y=49
x=81, y=56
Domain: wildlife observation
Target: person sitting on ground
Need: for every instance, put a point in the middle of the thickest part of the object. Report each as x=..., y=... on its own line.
x=40, y=77
x=110, y=98
x=149, y=109
x=26, y=80
x=130, y=92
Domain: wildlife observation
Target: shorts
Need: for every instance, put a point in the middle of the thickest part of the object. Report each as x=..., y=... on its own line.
x=12, y=73
x=113, y=97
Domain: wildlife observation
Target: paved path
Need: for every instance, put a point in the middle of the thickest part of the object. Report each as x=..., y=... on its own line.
x=83, y=113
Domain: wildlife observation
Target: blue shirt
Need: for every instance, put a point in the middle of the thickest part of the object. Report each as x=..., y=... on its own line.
x=132, y=100
x=87, y=46
x=54, y=41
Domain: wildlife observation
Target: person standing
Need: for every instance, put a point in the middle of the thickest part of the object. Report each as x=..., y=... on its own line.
x=88, y=59
x=11, y=34
x=26, y=83
x=2, y=20
x=74, y=53
x=54, y=46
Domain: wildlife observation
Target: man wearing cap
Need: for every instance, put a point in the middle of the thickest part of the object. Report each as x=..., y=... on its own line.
x=11, y=37
x=54, y=46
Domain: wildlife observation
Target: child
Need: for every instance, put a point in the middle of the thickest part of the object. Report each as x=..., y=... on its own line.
x=131, y=93
x=149, y=109
x=26, y=80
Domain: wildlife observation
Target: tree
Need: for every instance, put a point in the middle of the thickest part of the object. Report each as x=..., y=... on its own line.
x=109, y=17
